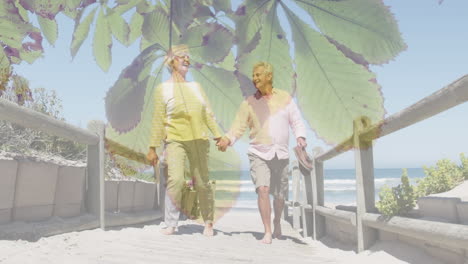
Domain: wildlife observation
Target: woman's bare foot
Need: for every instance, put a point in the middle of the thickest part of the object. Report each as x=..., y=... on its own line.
x=266, y=239
x=168, y=231
x=208, y=231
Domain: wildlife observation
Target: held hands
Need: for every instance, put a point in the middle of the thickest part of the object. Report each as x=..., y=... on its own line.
x=223, y=143
x=301, y=142
x=152, y=157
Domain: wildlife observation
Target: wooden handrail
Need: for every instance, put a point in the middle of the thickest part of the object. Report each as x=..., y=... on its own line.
x=29, y=118
x=450, y=96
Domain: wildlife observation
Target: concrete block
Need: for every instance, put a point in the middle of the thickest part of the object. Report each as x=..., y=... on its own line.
x=8, y=171
x=125, y=196
x=111, y=192
x=445, y=254
x=35, y=191
x=462, y=210
x=439, y=207
x=5, y=216
x=144, y=196
x=139, y=196
x=387, y=236
x=33, y=213
x=150, y=195
x=342, y=232
x=69, y=193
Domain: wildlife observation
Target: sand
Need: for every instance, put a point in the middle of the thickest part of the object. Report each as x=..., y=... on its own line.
x=236, y=241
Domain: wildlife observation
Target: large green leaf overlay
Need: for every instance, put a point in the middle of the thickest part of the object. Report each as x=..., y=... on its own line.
x=325, y=76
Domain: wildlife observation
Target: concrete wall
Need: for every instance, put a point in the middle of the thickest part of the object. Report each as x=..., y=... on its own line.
x=33, y=191
x=432, y=248
x=7, y=189
x=345, y=233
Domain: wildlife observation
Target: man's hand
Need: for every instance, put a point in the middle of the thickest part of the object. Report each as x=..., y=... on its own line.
x=223, y=143
x=301, y=142
x=152, y=157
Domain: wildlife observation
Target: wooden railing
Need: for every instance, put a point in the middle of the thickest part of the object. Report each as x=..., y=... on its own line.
x=366, y=219
x=95, y=196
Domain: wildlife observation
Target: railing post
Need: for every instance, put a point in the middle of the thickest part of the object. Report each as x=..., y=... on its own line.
x=365, y=193
x=95, y=195
x=318, y=223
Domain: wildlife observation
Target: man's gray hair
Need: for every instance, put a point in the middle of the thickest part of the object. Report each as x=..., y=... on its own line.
x=268, y=68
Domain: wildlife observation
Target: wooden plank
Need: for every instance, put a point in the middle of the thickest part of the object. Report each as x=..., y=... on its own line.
x=318, y=221
x=447, y=234
x=95, y=196
x=345, y=217
x=29, y=118
x=340, y=148
x=364, y=184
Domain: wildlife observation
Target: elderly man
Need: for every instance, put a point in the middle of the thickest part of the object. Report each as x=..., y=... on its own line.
x=268, y=114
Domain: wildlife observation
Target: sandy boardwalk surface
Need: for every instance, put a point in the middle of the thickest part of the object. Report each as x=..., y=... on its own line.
x=236, y=241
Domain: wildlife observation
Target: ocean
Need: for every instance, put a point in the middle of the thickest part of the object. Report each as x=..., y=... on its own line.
x=340, y=184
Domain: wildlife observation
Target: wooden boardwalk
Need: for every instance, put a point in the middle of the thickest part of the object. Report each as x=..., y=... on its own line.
x=236, y=241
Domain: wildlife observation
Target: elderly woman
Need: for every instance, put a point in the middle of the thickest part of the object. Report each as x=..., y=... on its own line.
x=183, y=119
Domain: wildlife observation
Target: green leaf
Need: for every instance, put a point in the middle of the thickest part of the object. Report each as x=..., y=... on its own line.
x=183, y=13
x=102, y=42
x=249, y=18
x=125, y=99
x=222, y=91
x=71, y=8
x=332, y=90
x=224, y=5
x=119, y=28
x=274, y=49
x=155, y=27
x=81, y=32
x=49, y=29
x=13, y=34
x=138, y=137
x=208, y=42
x=21, y=11
x=365, y=26
x=124, y=7
x=4, y=62
x=30, y=56
x=135, y=27
x=44, y=8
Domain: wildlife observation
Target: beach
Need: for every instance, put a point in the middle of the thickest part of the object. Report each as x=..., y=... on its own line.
x=236, y=241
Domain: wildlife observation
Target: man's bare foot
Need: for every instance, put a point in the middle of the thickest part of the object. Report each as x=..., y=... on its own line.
x=266, y=239
x=208, y=231
x=168, y=231
x=277, y=233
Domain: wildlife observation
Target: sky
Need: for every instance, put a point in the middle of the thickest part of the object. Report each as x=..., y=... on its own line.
x=437, y=55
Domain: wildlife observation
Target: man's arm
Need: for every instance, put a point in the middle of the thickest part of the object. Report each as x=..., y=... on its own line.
x=297, y=125
x=237, y=129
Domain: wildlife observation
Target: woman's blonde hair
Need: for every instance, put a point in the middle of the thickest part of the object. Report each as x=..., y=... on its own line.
x=177, y=50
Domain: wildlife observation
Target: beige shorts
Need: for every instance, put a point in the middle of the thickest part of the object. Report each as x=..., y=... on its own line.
x=271, y=173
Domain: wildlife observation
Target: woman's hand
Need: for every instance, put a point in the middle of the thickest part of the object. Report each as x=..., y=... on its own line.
x=152, y=157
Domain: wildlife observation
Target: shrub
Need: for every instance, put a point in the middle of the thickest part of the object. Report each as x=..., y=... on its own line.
x=398, y=200
x=441, y=178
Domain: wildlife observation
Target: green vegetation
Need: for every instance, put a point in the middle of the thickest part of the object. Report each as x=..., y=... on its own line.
x=14, y=138
x=400, y=200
